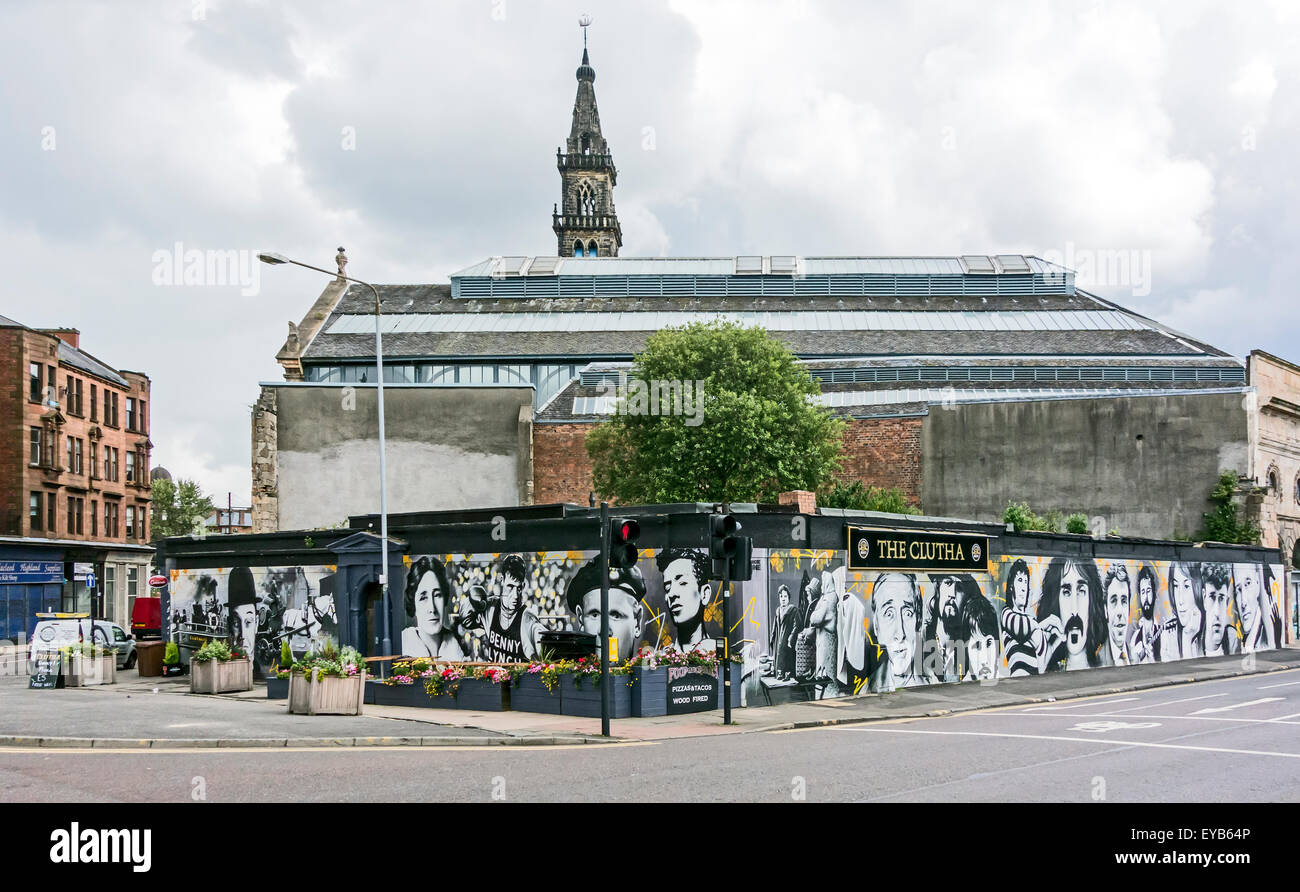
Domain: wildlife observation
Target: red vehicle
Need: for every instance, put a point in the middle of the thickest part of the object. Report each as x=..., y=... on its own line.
x=146, y=618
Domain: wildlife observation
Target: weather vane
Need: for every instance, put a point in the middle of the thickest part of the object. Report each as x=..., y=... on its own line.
x=585, y=21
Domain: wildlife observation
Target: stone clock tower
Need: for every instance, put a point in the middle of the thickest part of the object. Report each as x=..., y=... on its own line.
x=585, y=222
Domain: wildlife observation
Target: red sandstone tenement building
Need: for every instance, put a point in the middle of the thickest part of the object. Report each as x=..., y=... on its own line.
x=74, y=479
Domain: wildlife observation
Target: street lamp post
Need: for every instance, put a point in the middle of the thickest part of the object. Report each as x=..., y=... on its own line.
x=275, y=259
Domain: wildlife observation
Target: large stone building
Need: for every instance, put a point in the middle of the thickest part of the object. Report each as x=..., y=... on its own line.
x=1275, y=461
x=967, y=381
x=74, y=480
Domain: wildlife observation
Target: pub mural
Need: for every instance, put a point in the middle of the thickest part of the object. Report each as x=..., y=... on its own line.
x=809, y=624
x=257, y=608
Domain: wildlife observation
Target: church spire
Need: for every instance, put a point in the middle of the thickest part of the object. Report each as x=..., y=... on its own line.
x=586, y=224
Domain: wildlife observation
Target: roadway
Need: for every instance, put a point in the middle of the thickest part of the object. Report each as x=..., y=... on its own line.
x=1227, y=740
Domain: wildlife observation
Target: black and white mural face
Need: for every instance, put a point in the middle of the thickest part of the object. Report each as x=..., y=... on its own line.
x=259, y=607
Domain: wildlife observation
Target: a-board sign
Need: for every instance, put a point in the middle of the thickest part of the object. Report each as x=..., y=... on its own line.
x=872, y=549
x=691, y=689
x=45, y=670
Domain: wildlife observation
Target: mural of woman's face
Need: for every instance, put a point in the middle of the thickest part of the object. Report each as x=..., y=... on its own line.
x=1184, y=598
x=1020, y=591
x=1246, y=577
x=428, y=594
x=783, y=599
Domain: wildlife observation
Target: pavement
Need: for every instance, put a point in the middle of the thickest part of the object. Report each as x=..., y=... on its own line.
x=156, y=713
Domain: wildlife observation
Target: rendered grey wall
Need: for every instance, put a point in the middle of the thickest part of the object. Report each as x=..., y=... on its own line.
x=1143, y=464
x=447, y=448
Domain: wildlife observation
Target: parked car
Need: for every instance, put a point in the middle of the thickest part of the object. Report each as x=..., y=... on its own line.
x=51, y=634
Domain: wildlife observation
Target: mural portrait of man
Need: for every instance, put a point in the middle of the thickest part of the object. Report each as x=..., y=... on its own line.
x=896, y=618
x=1216, y=591
x=1255, y=611
x=686, y=594
x=241, y=609
x=1119, y=597
x=979, y=622
x=511, y=629
x=945, y=632
x=626, y=591
x=1142, y=641
x=1073, y=615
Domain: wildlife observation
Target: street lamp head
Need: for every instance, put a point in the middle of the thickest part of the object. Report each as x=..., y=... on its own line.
x=272, y=259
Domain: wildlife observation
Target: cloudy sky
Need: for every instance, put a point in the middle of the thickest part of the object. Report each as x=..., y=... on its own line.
x=421, y=136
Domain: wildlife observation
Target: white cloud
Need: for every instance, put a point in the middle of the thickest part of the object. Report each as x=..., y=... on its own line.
x=777, y=127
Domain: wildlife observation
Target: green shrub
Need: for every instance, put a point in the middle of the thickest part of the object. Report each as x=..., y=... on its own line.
x=856, y=497
x=286, y=655
x=214, y=650
x=171, y=654
x=1076, y=523
x=1022, y=518
x=1225, y=521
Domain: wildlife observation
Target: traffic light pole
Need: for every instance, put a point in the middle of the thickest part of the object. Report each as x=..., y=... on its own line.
x=726, y=645
x=604, y=619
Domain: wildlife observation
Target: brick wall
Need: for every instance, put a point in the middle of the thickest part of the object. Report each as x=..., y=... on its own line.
x=884, y=452
x=561, y=469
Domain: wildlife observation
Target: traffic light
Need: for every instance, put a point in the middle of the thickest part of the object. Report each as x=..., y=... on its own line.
x=622, y=542
x=729, y=550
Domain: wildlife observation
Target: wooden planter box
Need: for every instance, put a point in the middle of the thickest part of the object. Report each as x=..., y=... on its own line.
x=479, y=694
x=277, y=688
x=217, y=677
x=381, y=694
x=82, y=672
x=649, y=691
x=528, y=694
x=326, y=694
x=585, y=700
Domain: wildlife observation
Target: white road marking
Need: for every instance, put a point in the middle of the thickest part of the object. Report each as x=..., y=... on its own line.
x=1105, y=727
x=1089, y=703
x=1285, y=684
x=1146, y=715
x=1282, y=719
x=1167, y=702
x=1238, y=705
x=1093, y=740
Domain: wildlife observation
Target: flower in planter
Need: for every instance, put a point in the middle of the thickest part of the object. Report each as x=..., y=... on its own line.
x=496, y=674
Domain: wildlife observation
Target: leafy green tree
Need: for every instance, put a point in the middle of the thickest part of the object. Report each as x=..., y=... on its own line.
x=856, y=497
x=1225, y=521
x=178, y=508
x=757, y=432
